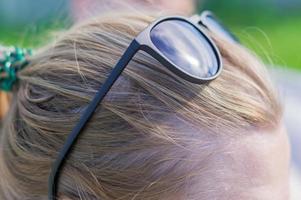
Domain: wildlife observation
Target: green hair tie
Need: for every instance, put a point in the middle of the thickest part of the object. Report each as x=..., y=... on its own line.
x=11, y=61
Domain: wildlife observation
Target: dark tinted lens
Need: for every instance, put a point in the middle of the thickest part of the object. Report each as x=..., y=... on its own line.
x=186, y=47
x=217, y=27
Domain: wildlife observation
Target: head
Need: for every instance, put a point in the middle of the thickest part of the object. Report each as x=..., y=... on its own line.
x=155, y=136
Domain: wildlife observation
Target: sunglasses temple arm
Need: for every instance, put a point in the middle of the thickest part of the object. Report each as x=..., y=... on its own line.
x=72, y=137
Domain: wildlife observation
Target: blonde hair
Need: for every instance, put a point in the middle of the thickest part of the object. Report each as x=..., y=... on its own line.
x=130, y=149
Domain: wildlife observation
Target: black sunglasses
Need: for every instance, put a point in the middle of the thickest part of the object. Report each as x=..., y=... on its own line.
x=180, y=44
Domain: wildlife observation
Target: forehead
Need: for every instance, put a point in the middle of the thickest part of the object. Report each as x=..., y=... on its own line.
x=259, y=162
x=254, y=164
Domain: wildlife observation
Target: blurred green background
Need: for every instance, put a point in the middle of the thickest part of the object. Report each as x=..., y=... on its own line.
x=272, y=28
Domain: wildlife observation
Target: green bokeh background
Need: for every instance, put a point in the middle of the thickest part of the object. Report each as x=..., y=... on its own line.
x=272, y=28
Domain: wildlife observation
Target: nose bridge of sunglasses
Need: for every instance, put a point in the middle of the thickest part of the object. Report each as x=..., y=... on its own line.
x=195, y=19
x=208, y=20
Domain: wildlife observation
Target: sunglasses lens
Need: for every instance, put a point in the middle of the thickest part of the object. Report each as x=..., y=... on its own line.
x=186, y=47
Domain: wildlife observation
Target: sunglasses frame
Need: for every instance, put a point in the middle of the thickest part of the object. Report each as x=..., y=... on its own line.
x=202, y=20
x=141, y=42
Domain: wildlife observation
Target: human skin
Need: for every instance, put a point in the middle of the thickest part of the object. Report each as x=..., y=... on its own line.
x=83, y=9
x=4, y=104
x=263, y=159
x=253, y=165
x=185, y=7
